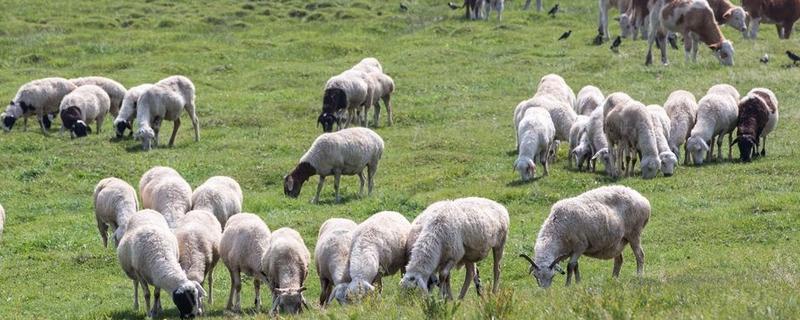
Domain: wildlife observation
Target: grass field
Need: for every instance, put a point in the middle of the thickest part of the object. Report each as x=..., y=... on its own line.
x=722, y=241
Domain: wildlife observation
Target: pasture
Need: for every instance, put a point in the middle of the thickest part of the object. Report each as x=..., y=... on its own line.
x=722, y=241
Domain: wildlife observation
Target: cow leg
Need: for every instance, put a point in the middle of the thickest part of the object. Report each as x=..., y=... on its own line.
x=787, y=29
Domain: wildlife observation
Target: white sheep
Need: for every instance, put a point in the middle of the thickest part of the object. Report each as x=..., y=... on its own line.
x=631, y=128
x=146, y=182
x=661, y=128
x=165, y=191
x=244, y=242
x=536, y=135
x=332, y=255
x=562, y=115
x=598, y=223
x=127, y=112
x=285, y=265
x=384, y=87
x=345, y=92
x=368, y=65
x=219, y=195
x=165, y=101
x=459, y=232
x=81, y=107
x=717, y=115
x=597, y=142
x=681, y=107
x=378, y=249
x=40, y=98
x=576, y=134
x=345, y=152
x=148, y=253
x=589, y=98
x=116, y=91
x=554, y=85
x=114, y=203
x=199, y=234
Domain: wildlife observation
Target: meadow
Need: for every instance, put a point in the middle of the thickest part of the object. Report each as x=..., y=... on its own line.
x=722, y=241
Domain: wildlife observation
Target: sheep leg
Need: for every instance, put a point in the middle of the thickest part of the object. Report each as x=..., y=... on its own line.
x=146, y=294
x=497, y=255
x=257, y=286
x=175, y=126
x=103, y=228
x=210, y=276
x=387, y=101
x=40, y=118
x=324, y=291
x=538, y=5
x=710, y=152
x=470, y=273
x=135, y=295
x=686, y=154
x=319, y=189
x=361, y=186
x=190, y=109
x=477, y=280
x=25, y=124
x=638, y=252
x=787, y=29
x=376, y=114
x=236, y=286
x=764, y=146
x=156, y=302
x=617, y=265
x=445, y=281
x=730, y=146
x=99, y=121
x=336, y=176
x=719, y=146
x=371, y=169
x=527, y=5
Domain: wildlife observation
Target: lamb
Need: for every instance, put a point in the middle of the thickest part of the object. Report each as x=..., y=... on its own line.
x=116, y=91
x=347, y=91
x=219, y=195
x=378, y=249
x=332, y=255
x=165, y=191
x=346, y=152
x=39, y=97
x=758, y=116
x=717, y=114
x=459, y=232
x=661, y=128
x=81, y=107
x=681, y=107
x=576, y=134
x=782, y=13
x=589, y=98
x=127, y=112
x=630, y=127
x=285, y=265
x=598, y=223
x=165, y=101
x=114, y=203
x=694, y=19
x=148, y=253
x=244, y=242
x=384, y=87
x=536, y=135
x=198, y=235
x=726, y=12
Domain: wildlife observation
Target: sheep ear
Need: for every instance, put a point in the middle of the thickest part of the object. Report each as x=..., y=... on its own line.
x=200, y=290
x=727, y=14
x=714, y=47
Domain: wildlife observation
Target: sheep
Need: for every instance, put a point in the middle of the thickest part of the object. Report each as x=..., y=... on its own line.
x=598, y=223
x=459, y=232
x=630, y=127
x=382, y=91
x=198, y=235
x=148, y=254
x=536, y=135
x=681, y=107
x=589, y=98
x=114, y=203
x=694, y=19
x=219, y=195
x=165, y=191
x=332, y=254
x=81, y=107
x=562, y=115
x=39, y=97
x=576, y=134
x=347, y=152
x=285, y=265
x=661, y=128
x=717, y=113
x=611, y=102
x=165, y=101
x=598, y=142
x=368, y=65
x=127, y=112
x=758, y=116
x=378, y=249
x=348, y=91
x=244, y=242
x=554, y=85
x=116, y=91
x=783, y=14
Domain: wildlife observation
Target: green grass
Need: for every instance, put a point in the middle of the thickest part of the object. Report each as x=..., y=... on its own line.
x=722, y=240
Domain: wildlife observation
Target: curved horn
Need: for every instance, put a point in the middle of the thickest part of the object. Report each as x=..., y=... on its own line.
x=526, y=257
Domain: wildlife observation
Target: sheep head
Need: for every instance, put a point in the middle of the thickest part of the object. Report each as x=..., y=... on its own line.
x=120, y=126
x=188, y=299
x=327, y=120
x=148, y=136
x=608, y=161
x=415, y=280
x=747, y=146
x=668, y=162
x=81, y=129
x=650, y=166
x=526, y=168
x=697, y=147
x=288, y=300
x=626, y=25
x=293, y=182
x=7, y=121
x=544, y=276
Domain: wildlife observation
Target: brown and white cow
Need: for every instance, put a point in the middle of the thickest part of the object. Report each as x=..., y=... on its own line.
x=782, y=13
x=727, y=13
x=693, y=19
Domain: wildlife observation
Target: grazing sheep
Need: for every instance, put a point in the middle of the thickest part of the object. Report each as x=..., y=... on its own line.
x=39, y=97
x=554, y=85
x=127, y=111
x=346, y=152
x=597, y=142
x=681, y=107
x=459, y=232
x=81, y=107
x=561, y=114
x=219, y=195
x=243, y=244
x=598, y=223
x=148, y=253
x=536, y=135
x=165, y=101
x=348, y=91
x=116, y=91
x=630, y=127
x=758, y=116
x=717, y=114
x=165, y=191
x=114, y=203
x=378, y=249
x=199, y=234
x=589, y=98
x=332, y=255
x=611, y=102
x=661, y=128
x=148, y=180
x=576, y=134
x=285, y=265
x=783, y=14
x=693, y=19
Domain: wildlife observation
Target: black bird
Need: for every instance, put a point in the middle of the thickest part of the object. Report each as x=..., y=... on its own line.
x=616, y=43
x=452, y=5
x=403, y=7
x=598, y=40
x=764, y=59
x=553, y=11
x=673, y=40
x=566, y=35
x=794, y=57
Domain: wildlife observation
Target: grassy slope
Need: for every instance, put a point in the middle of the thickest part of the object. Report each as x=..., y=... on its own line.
x=721, y=242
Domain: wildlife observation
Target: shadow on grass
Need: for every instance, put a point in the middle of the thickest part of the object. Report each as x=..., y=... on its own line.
x=345, y=200
x=517, y=183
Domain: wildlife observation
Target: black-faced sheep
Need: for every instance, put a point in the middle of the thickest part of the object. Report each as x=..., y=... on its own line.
x=40, y=98
x=758, y=116
x=81, y=107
